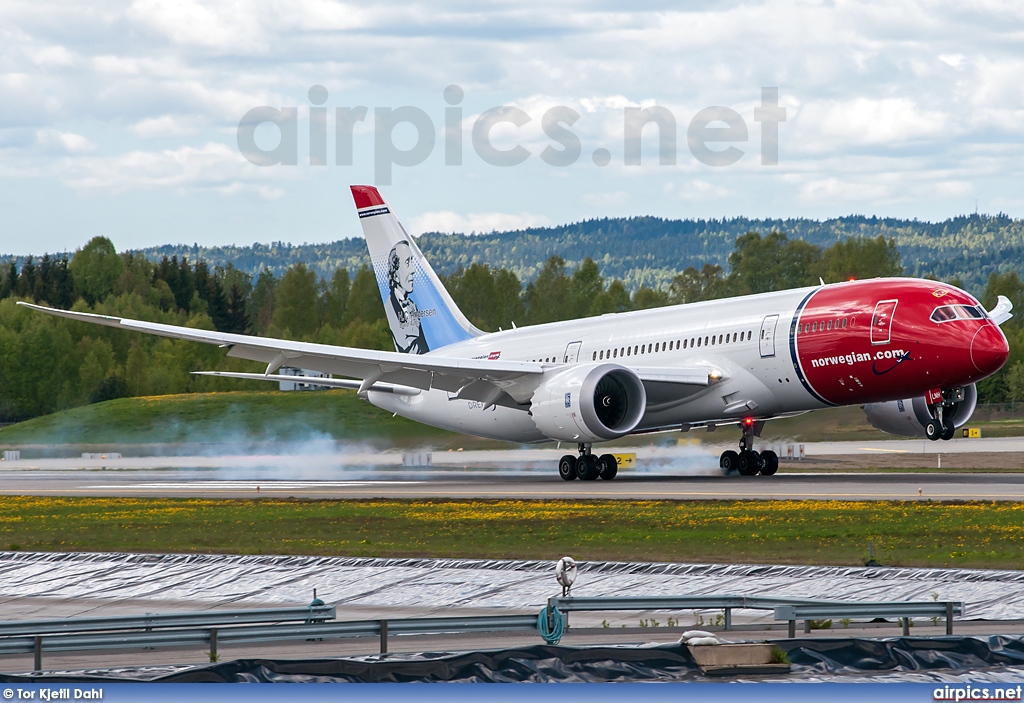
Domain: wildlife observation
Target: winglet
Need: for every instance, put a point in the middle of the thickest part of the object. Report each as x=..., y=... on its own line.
x=1001, y=312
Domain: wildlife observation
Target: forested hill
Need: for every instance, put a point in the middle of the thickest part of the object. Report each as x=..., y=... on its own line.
x=650, y=251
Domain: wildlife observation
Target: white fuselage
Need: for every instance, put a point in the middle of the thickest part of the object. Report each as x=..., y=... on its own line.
x=757, y=368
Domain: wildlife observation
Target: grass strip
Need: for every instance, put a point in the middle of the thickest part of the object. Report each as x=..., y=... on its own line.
x=970, y=534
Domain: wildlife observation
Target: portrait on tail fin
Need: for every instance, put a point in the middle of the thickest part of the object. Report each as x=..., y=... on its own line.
x=402, y=313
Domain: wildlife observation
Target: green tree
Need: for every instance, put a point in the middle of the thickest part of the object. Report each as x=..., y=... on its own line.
x=474, y=290
x=1015, y=382
x=587, y=285
x=261, y=307
x=860, y=257
x=508, y=293
x=365, y=335
x=646, y=298
x=548, y=298
x=614, y=299
x=296, y=309
x=335, y=298
x=8, y=279
x=96, y=268
x=692, y=285
x=364, y=301
x=762, y=264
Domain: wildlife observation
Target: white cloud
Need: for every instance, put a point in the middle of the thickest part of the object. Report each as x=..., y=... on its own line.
x=696, y=190
x=163, y=126
x=213, y=166
x=616, y=198
x=888, y=102
x=863, y=121
x=64, y=142
x=474, y=222
x=53, y=57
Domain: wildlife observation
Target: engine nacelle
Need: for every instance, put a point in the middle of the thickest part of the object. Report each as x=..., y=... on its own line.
x=907, y=418
x=591, y=403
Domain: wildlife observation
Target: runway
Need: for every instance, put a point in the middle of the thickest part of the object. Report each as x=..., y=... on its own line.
x=684, y=471
x=413, y=484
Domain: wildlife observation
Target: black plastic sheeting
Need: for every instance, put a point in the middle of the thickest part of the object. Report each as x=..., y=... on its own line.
x=893, y=659
x=905, y=654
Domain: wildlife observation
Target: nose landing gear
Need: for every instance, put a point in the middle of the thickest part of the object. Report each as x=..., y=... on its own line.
x=746, y=461
x=941, y=426
x=586, y=466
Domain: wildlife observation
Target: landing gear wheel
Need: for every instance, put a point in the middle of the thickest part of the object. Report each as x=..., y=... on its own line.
x=769, y=463
x=947, y=432
x=729, y=461
x=586, y=467
x=567, y=467
x=749, y=463
x=607, y=466
x=933, y=430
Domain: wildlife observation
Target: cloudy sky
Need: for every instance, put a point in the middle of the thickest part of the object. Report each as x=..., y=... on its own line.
x=122, y=118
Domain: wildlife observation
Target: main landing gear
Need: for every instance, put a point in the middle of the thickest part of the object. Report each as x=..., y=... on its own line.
x=746, y=461
x=586, y=466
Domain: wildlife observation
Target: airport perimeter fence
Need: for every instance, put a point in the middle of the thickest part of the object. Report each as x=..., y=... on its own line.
x=316, y=622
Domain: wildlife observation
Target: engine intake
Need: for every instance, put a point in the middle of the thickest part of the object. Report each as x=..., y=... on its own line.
x=590, y=403
x=907, y=418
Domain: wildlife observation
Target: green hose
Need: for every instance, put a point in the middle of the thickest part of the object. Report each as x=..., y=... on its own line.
x=553, y=633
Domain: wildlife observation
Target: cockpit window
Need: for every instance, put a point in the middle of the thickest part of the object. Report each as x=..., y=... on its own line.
x=970, y=311
x=945, y=313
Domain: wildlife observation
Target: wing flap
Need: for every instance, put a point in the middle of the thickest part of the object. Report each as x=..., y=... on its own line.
x=313, y=381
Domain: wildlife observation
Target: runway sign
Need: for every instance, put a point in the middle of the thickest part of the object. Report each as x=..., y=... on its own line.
x=625, y=461
x=972, y=432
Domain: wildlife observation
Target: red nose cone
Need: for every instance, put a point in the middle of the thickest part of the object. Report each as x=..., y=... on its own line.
x=989, y=350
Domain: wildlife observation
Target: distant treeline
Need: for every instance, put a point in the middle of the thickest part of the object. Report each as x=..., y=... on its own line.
x=650, y=251
x=48, y=363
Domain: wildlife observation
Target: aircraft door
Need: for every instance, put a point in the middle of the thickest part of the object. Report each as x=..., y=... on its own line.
x=881, y=321
x=572, y=353
x=767, y=339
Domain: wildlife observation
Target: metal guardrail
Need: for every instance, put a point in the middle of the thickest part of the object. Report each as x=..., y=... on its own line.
x=724, y=603
x=153, y=621
x=316, y=623
x=244, y=634
x=904, y=611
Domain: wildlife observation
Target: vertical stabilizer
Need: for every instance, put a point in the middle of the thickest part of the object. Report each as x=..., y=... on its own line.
x=420, y=312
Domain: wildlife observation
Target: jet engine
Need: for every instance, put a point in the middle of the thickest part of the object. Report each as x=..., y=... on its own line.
x=590, y=403
x=907, y=418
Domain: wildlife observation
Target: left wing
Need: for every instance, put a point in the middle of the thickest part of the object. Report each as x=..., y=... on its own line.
x=472, y=379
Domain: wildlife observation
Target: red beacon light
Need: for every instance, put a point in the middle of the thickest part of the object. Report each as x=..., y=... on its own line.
x=748, y=421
